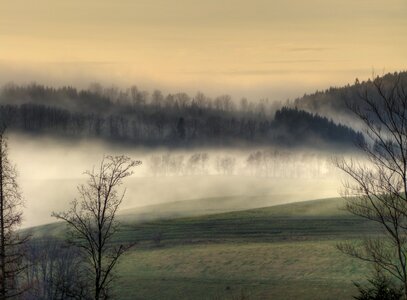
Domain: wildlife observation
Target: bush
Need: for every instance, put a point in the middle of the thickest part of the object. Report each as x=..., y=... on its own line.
x=380, y=287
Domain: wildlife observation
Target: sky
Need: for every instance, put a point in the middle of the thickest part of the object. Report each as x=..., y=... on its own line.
x=275, y=49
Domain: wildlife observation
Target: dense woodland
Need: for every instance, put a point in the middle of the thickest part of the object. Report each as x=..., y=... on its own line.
x=138, y=117
x=334, y=102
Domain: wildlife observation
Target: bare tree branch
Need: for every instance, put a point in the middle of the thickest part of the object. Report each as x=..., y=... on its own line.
x=377, y=189
x=92, y=219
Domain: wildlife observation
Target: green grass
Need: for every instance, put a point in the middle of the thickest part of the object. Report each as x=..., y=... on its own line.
x=261, y=270
x=310, y=220
x=281, y=252
x=196, y=207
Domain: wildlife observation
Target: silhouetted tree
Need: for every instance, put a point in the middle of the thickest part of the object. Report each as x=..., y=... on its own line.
x=378, y=187
x=92, y=220
x=11, y=243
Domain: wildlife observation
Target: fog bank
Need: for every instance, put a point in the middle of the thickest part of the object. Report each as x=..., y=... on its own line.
x=50, y=170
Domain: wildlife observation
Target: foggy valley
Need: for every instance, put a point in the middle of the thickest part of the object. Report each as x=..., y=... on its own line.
x=203, y=150
x=50, y=169
x=125, y=171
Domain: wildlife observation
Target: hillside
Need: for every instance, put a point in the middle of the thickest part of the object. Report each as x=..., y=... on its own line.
x=177, y=223
x=309, y=220
x=217, y=205
x=332, y=102
x=280, y=252
x=176, y=120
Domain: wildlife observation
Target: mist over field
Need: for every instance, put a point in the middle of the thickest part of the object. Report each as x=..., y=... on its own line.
x=203, y=150
x=51, y=168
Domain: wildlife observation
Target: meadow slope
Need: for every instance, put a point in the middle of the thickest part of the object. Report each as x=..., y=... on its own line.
x=279, y=252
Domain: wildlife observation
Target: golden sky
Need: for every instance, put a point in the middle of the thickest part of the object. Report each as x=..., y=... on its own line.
x=259, y=48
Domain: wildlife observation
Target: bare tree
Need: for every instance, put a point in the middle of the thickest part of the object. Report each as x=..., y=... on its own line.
x=92, y=220
x=55, y=271
x=11, y=243
x=226, y=165
x=378, y=186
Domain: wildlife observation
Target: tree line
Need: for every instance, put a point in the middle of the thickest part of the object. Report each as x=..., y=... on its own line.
x=273, y=163
x=138, y=118
x=335, y=102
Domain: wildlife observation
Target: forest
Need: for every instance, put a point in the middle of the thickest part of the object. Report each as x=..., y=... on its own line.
x=175, y=120
x=334, y=102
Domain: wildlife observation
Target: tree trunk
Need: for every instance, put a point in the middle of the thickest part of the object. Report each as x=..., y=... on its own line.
x=2, y=238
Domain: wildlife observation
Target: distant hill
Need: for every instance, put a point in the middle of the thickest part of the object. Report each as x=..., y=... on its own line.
x=332, y=102
x=176, y=120
x=294, y=127
x=198, y=208
x=322, y=218
x=279, y=252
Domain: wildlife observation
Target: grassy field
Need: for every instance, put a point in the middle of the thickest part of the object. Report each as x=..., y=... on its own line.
x=281, y=252
x=281, y=270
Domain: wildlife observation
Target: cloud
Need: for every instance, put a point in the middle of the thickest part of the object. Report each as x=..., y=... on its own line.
x=256, y=72
x=308, y=49
x=292, y=61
